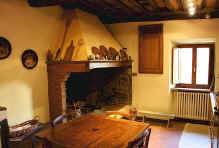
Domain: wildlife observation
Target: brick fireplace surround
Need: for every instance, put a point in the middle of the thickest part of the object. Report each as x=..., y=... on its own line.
x=58, y=74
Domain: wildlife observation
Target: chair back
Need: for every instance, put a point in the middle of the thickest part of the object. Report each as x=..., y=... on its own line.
x=142, y=140
x=4, y=128
x=59, y=119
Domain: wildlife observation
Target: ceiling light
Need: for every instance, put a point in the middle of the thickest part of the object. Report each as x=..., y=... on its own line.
x=188, y=1
x=192, y=9
x=191, y=4
x=191, y=12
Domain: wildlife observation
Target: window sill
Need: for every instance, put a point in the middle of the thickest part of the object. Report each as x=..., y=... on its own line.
x=191, y=90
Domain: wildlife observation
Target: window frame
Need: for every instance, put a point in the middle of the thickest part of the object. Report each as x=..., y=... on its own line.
x=194, y=62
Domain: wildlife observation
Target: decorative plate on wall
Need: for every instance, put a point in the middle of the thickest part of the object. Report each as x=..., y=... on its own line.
x=29, y=59
x=5, y=48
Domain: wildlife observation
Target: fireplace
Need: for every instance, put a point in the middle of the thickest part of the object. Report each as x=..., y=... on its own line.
x=102, y=85
x=105, y=89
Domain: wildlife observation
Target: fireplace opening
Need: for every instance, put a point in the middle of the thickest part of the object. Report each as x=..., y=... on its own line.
x=103, y=89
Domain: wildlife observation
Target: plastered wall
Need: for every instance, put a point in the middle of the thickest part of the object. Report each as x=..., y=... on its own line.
x=94, y=32
x=25, y=92
x=151, y=92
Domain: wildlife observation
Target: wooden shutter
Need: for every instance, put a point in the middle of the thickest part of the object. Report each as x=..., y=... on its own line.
x=151, y=49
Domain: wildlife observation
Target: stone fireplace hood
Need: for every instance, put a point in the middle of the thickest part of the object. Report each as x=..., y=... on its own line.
x=82, y=32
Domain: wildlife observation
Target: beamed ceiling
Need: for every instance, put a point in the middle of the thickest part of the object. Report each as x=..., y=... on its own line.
x=113, y=11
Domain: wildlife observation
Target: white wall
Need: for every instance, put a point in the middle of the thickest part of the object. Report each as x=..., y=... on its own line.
x=25, y=92
x=151, y=92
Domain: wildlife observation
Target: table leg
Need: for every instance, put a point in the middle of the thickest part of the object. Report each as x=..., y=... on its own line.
x=47, y=144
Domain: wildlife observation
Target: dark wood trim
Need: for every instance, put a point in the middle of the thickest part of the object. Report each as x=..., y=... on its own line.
x=172, y=64
x=191, y=90
x=46, y=3
x=194, y=64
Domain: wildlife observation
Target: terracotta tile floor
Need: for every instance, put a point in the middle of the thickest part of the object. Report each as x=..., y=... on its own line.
x=163, y=137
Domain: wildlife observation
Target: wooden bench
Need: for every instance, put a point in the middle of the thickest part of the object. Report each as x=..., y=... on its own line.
x=160, y=116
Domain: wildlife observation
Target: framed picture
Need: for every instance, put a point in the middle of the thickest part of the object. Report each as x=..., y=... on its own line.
x=29, y=59
x=5, y=48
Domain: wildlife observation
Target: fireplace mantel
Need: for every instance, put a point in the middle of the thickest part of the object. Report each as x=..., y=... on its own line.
x=84, y=66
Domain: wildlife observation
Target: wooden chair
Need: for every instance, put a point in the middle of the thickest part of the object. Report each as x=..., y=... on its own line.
x=61, y=118
x=4, y=133
x=4, y=129
x=8, y=141
x=142, y=140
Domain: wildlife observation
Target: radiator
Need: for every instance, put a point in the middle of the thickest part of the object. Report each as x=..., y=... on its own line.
x=192, y=105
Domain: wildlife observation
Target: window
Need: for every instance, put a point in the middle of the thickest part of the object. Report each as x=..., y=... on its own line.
x=192, y=66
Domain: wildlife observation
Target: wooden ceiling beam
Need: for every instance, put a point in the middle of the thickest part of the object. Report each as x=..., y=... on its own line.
x=135, y=9
x=119, y=6
x=138, y=5
x=104, y=7
x=159, y=3
x=180, y=12
x=211, y=3
x=126, y=6
x=201, y=4
x=146, y=5
x=153, y=4
x=92, y=8
x=172, y=5
x=114, y=11
x=181, y=15
x=46, y=3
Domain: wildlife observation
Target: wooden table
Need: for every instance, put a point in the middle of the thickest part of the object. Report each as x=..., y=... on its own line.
x=93, y=131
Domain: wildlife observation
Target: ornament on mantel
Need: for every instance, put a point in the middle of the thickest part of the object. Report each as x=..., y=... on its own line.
x=104, y=52
x=49, y=56
x=58, y=52
x=91, y=57
x=112, y=53
x=123, y=54
x=95, y=54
